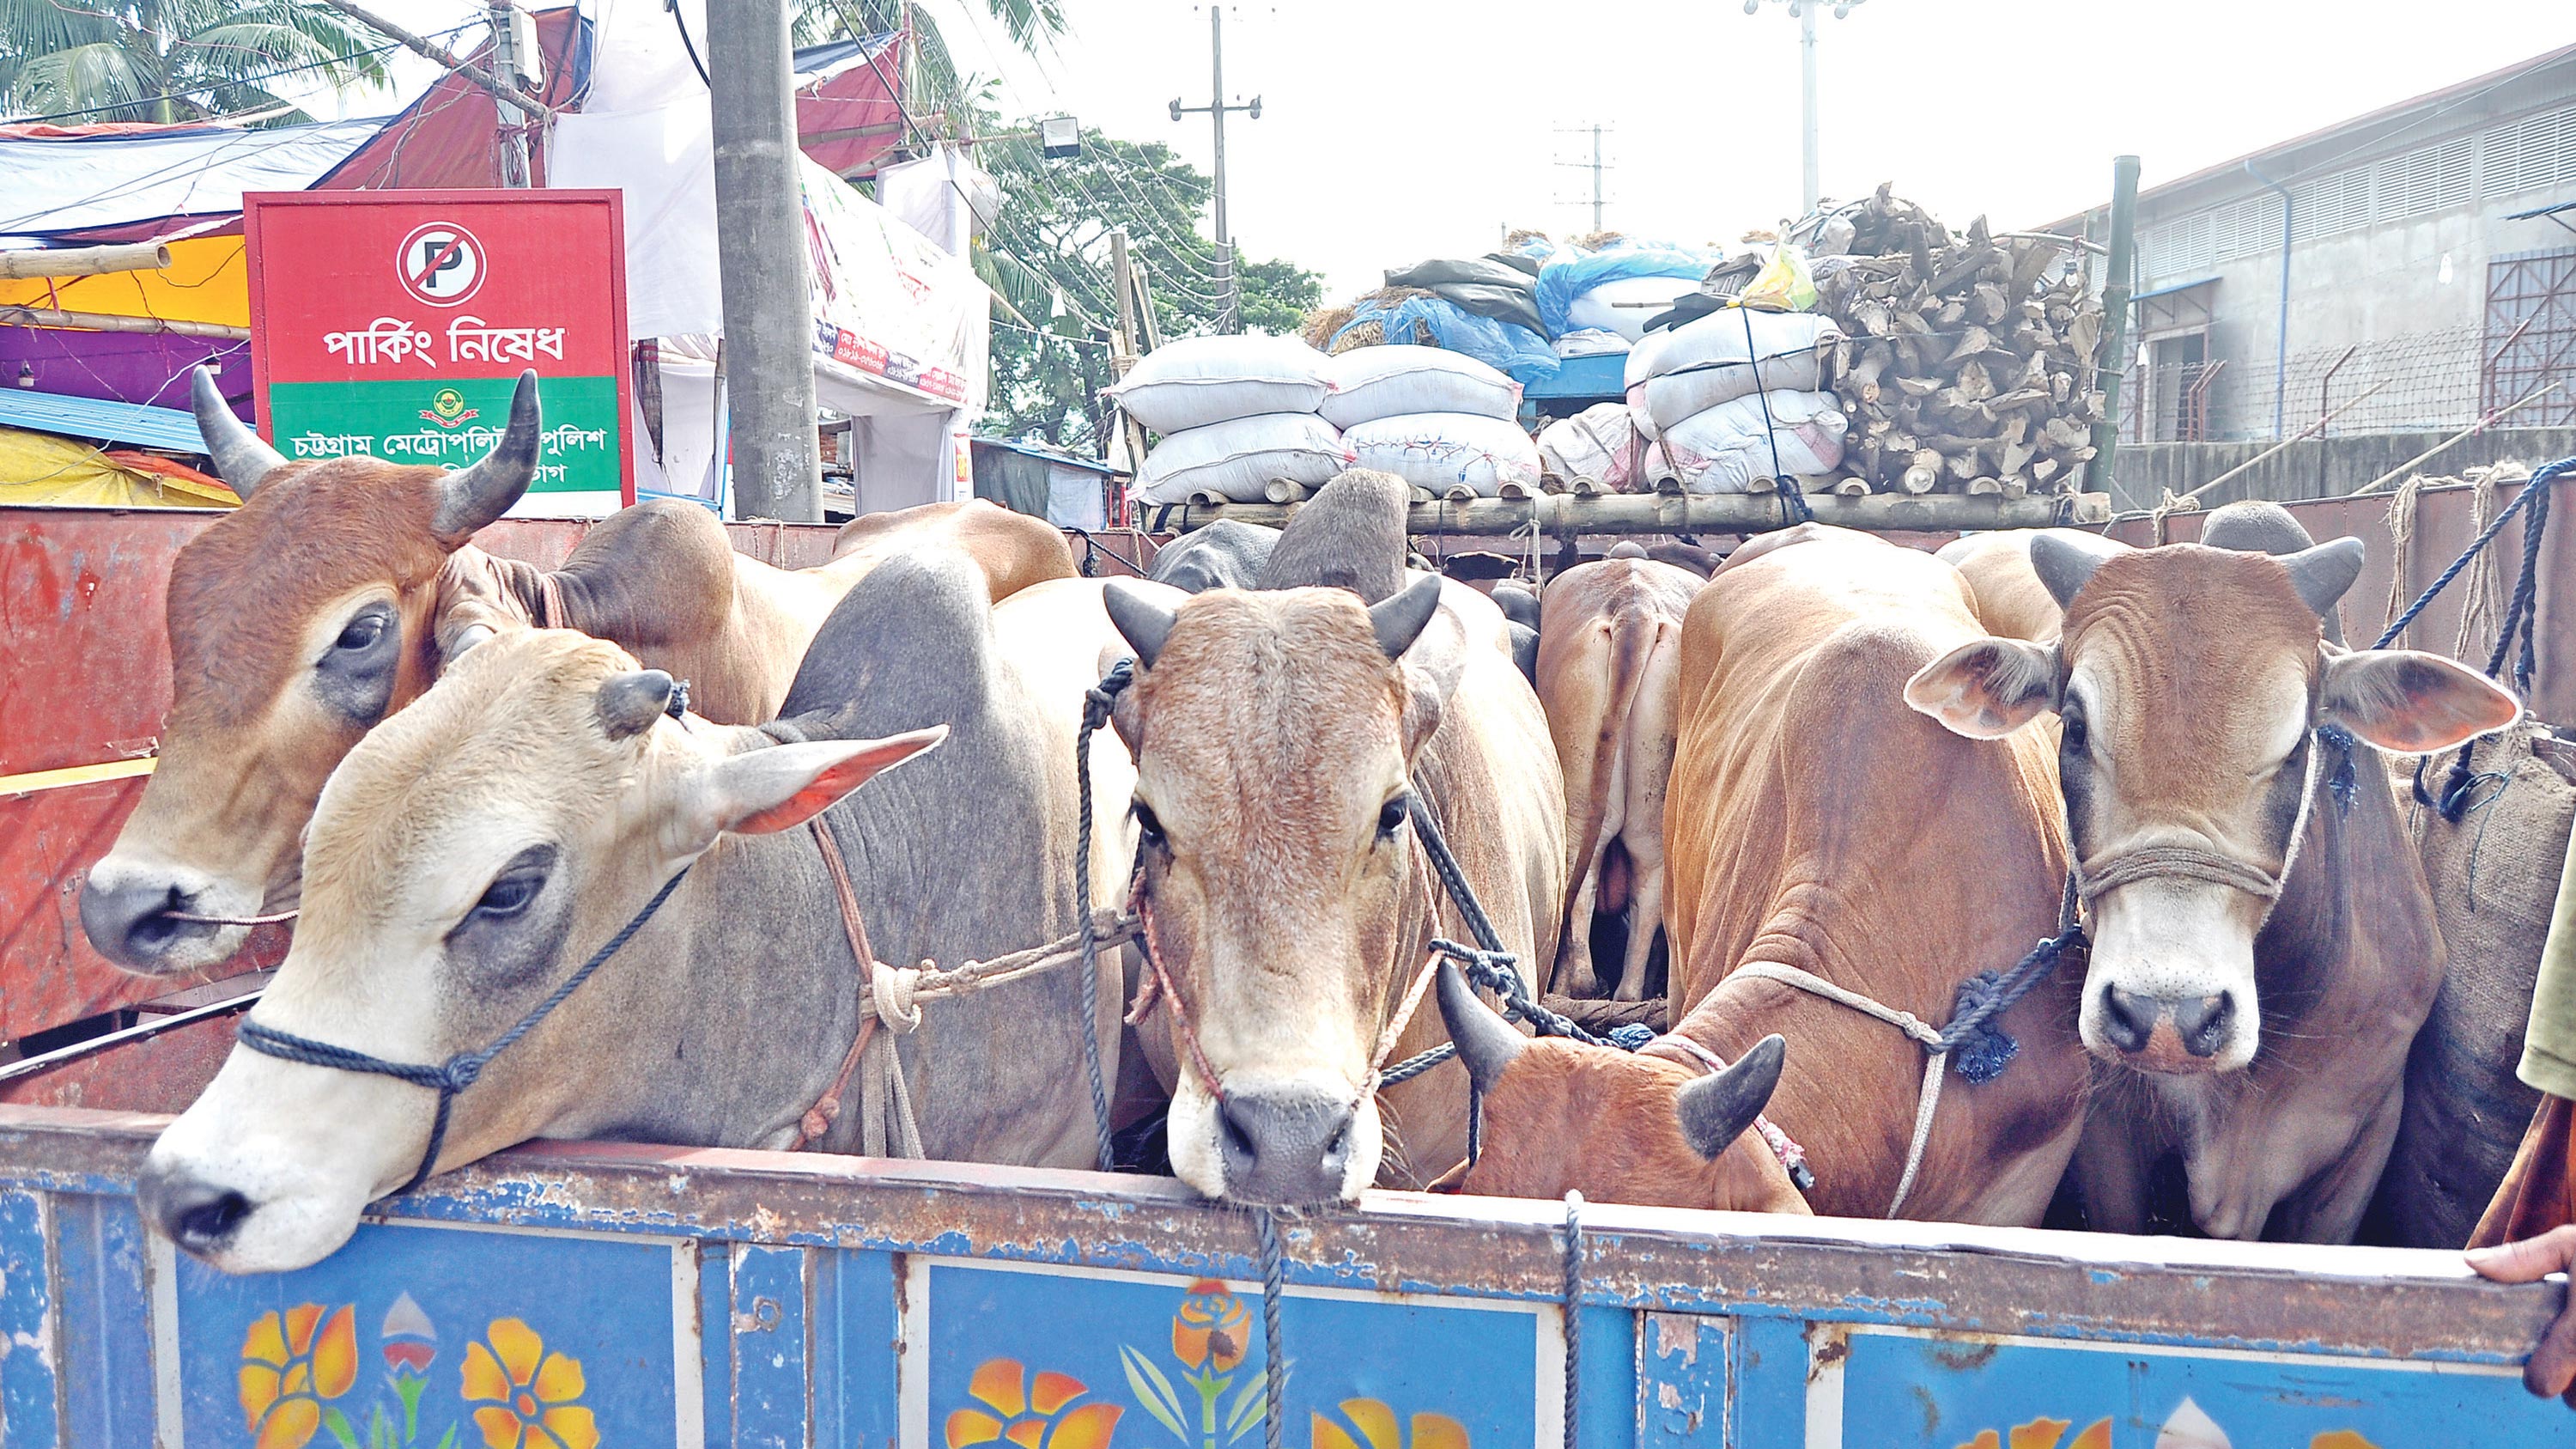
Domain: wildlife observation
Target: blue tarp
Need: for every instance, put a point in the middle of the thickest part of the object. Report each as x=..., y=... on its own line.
x=1571, y=271
x=169, y=429
x=1523, y=355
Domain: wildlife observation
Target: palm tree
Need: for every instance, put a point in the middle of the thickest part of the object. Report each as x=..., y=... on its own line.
x=171, y=60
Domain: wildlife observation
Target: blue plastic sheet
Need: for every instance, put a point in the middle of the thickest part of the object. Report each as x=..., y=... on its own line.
x=1523, y=355
x=1571, y=271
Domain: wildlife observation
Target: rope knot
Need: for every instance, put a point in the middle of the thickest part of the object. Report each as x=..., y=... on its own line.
x=1101, y=698
x=891, y=988
x=1979, y=1049
x=1631, y=1037
x=461, y=1072
x=678, y=704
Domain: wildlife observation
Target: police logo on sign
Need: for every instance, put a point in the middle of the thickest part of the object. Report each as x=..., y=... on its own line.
x=441, y=264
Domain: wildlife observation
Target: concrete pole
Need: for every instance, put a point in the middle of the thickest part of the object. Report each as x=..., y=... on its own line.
x=760, y=247
x=1596, y=178
x=1231, y=318
x=2113, y=361
x=1807, y=89
x=505, y=59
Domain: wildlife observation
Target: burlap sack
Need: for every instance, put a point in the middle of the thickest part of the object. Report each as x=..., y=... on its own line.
x=2494, y=878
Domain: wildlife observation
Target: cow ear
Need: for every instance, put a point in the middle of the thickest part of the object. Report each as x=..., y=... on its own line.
x=778, y=788
x=2411, y=703
x=1716, y=1109
x=1987, y=689
x=1433, y=658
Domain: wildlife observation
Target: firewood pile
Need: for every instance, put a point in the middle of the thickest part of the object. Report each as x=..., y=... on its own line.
x=1967, y=359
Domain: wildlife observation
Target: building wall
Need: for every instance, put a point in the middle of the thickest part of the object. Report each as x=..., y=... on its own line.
x=2393, y=226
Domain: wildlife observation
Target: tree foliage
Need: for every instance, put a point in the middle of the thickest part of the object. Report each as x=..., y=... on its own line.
x=173, y=60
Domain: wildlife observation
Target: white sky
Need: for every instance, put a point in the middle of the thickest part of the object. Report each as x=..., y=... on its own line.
x=1395, y=130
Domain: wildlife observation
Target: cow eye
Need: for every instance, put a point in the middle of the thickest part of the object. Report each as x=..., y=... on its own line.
x=2072, y=735
x=361, y=632
x=1390, y=816
x=509, y=895
x=1149, y=825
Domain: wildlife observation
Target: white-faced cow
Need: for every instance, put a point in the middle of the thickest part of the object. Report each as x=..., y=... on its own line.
x=475, y=848
x=1815, y=824
x=1609, y=659
x=2263, y=947
x=1282, y=741
x=328, y=600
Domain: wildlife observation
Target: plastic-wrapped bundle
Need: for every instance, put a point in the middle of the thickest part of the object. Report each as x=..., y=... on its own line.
x=1598, y=443
x=1195, y=381
x=1440, y=451
x=1725, y=448
x=1384, y=382
x=1570, y=272
x=1519, y=352
x=1718, y=359
x=1238, y=458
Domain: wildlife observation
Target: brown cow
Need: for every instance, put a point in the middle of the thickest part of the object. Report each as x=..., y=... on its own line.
x=329, y=599
x=2261, y=956
x=1815, y=823
x=2011, y=601
x=1609, y=653
x=1280, y=741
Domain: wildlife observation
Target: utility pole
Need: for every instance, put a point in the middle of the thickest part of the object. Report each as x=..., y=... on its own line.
x=514, y=122
x=2113, y=360
x=1230, y=317
x=1805, y=11
x=760, y=249
x=1596, y=165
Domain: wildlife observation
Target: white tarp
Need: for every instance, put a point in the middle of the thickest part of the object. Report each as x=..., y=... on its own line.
x=92, y=181
x=944, y=196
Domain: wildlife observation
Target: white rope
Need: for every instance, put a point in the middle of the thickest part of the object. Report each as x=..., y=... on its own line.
x=1936, y=1055
x=891, y=990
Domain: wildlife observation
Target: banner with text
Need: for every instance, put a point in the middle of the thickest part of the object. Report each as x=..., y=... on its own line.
x=394, y=324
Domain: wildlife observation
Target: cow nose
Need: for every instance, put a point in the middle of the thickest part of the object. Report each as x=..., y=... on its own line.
x=197, y=1215
x=128, y=919
x=1285, y=1148
x=2200, y=1022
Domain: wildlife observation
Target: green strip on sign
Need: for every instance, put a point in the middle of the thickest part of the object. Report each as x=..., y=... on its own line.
x=453, y=424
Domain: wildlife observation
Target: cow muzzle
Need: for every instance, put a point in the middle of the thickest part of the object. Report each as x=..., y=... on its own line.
x=131, y=912
x=1287, y=1146
x=244, y=1221
x=2170, y=987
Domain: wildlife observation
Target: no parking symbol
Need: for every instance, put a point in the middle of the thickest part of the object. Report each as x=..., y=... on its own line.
x=441, y=264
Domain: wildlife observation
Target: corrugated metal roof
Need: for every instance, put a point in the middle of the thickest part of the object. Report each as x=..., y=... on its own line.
x=2168, y=291
x=1040, y=450
x=106, y=422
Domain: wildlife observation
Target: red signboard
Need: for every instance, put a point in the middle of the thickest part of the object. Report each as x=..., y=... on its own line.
x=395, y=323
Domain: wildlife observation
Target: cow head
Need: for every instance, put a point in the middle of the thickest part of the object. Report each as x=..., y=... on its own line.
x=296, y=623
x=2189, y=683
x=1274, y=736
x=1560, y=1116
x=465, y=858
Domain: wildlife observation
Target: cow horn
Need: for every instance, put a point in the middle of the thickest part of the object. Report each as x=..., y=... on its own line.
x=240, y=458
x=1400, y=618
x=1145, y=623
x=628, y=704
x=2064, y=565
x=471, y=497
x=2321, y=574
x=1486, y=1042
x=1716, y=1109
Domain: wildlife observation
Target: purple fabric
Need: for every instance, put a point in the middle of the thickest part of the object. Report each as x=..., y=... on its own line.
x=122, y=366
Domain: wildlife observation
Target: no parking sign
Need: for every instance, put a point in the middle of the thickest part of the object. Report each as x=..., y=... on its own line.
x=395, y=323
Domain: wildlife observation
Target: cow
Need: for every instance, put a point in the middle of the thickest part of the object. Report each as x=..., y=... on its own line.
x=1353, y=540
x=1564, y=1117
x=1227, y=554
x=2263, y=948
x=1815, y=823
x=2011, y=601
x=1608, y=657
x=1284, y=741
x=475, y=847
x=330, y=599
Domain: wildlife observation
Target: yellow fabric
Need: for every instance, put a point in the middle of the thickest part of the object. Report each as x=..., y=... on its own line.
x=2549, y=1044
x=42, y=468
x=207, y=281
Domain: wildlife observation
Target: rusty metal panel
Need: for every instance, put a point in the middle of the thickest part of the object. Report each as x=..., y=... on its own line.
x=160, y=1074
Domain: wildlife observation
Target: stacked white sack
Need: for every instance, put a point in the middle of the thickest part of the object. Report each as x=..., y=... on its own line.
x=1442, y=451
x=1598, y=443
x=1234, y=413
x=1369, y=383
x=1237, y=459
x=1723, y=449
x=1196, y=381
x=1435, y=418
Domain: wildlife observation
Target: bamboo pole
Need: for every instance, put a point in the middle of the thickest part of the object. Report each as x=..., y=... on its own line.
x=2300, y=436
x=1567, y=514
x=2454, y=440
x=84, y=261
x=108, y=322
